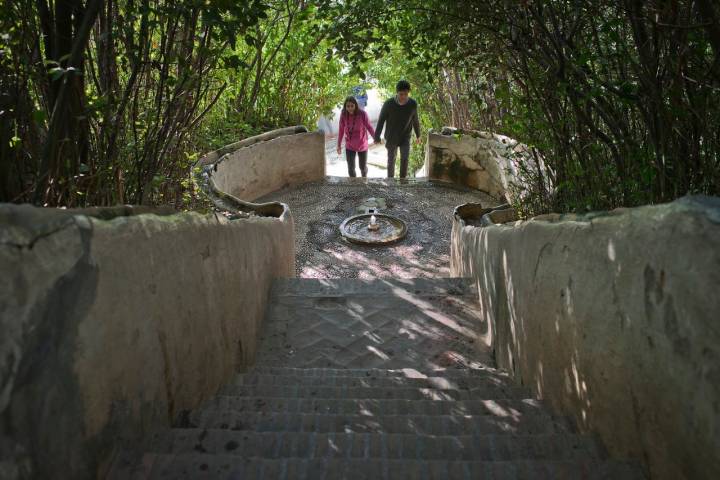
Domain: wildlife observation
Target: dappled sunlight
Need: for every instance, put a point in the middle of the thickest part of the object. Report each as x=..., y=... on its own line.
x=409, y=263
x=333, y=446
x=420, y=330
x=364, y=411
x=410, y=335
x=378, y=353
x=580, y=391
x=568, y=299
x=319, y=208
x=451, y=358
x=539, y=380
x=495, y=409
x=356, y=307
x=431, y=311
x=357, y=315
x=373, y=337
x=412, y=373
x=430, y=394
x=442, y=383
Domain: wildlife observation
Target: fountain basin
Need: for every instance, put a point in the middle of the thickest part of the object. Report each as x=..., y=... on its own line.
x=389, y=229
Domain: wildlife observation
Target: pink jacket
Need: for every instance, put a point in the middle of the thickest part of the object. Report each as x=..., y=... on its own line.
x=354, y=128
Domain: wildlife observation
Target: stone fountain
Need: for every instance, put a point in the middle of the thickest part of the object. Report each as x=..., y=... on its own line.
x=373, y=228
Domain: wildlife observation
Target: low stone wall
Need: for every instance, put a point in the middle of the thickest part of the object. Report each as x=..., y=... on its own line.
x=278, y=159
x=111, y=328
x=479, y=160
x=612, y=318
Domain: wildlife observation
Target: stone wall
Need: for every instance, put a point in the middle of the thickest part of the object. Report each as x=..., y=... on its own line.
x=111, y=328
x=479, y=160
x=291, y=157
x=613, y=318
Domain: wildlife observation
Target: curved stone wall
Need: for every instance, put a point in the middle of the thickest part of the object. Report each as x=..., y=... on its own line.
x=613, y=319
x=259, y=165
x=481, y=160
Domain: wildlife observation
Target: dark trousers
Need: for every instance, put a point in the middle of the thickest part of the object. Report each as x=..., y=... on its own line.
x=404, y=158
x=362, y=157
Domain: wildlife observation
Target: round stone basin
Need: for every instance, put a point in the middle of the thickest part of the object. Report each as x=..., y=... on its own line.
x=390, y=229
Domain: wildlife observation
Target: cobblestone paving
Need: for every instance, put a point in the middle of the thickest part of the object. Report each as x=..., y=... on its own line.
x=319, y=208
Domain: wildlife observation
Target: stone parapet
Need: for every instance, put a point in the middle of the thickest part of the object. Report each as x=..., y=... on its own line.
x=114, y=322
x=612, y=318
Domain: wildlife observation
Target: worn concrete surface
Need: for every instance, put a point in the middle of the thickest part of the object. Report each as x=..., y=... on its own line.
x=613, y=319
x=111, y=328
x=320, y=207
x=256, y=170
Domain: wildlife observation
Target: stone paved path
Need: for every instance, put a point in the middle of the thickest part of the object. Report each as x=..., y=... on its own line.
x=388, y=323
x=319, y=208
x=381, y=379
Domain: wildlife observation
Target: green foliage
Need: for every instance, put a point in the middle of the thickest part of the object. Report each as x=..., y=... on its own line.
x=621, y=99
x=159, y=82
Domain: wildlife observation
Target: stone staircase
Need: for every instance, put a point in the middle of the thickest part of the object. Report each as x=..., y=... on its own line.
x=382, y=379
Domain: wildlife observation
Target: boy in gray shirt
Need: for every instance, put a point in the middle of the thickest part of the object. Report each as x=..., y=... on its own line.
x=400, y=115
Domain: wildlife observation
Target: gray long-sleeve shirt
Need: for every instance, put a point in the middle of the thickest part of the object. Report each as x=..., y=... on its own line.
x=401, y=121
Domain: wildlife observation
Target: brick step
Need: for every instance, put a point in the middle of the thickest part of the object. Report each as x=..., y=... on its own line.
x=376, y=445
x=449, y=373
x=438, y=382
x=437, y=394
x=409, y=424
x=510, y=408
x=346, y=287
x=220, y=467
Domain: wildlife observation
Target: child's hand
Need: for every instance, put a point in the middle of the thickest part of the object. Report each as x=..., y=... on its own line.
x=339, y=150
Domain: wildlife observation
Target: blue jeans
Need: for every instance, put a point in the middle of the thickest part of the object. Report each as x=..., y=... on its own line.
x=404, y=158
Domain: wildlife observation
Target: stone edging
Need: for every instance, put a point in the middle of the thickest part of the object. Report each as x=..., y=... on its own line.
x=475, y=215
x=601, y=310
x=202, y=173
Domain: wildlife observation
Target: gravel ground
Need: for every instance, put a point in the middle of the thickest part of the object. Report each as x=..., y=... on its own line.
x=319, y=208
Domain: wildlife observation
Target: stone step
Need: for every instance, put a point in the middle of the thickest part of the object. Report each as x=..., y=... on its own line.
x=376, y=445
x=449, y=373
x=505, y=408
x=410, y=424
x=221, y=467
x=442, y=383
x=311, y=287
x=348, y=392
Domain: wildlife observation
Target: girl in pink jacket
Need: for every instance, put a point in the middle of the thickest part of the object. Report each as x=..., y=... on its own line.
x=354, y=128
